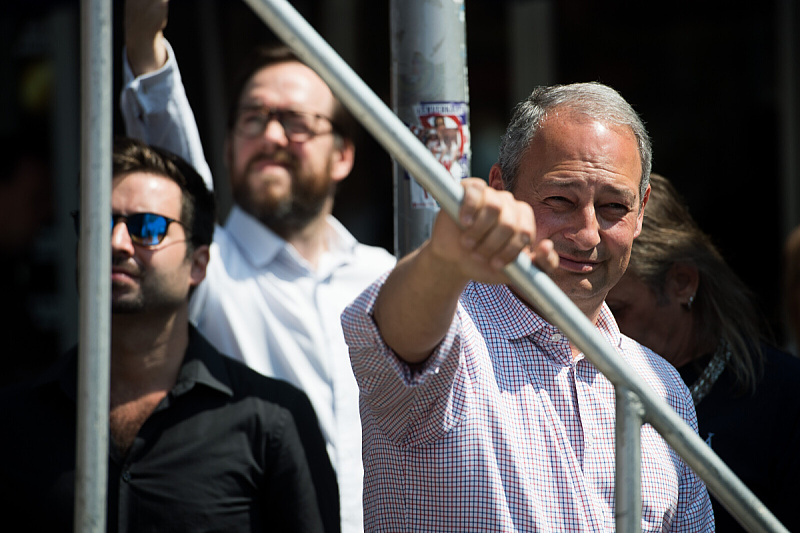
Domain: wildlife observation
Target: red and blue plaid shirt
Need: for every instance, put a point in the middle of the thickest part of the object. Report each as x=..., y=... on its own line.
x=502, y=431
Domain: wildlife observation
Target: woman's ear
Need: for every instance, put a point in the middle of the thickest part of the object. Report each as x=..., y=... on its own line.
x=683, y=280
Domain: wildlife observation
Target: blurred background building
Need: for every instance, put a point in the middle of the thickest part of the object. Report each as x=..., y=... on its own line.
x=715, y=82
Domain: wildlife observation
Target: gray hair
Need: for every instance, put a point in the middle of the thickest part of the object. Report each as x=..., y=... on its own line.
x=595, y=100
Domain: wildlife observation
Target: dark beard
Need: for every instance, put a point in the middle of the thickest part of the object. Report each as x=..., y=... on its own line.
x=292, y=214
x=126, y=307
x=147, y=300
x=124, y=304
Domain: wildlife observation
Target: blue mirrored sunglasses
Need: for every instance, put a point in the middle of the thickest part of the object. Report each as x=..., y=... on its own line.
x=146, y=229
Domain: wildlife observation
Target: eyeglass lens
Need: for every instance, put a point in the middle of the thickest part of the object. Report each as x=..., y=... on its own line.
x=148, y=229
x=298, y=126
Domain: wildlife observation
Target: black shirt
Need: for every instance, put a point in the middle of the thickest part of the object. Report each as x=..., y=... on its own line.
x=226, y=450
x=756, y=435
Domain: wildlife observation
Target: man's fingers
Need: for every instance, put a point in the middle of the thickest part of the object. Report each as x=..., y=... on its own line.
x=145, y=18
x=496, y=227
x=493, y=229
x=145, y=21
x=472, y=200
x=545, y=256
x=519, y=235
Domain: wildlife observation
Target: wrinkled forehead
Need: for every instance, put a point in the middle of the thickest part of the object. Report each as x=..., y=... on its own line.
x=575, y=139
x=595, y=120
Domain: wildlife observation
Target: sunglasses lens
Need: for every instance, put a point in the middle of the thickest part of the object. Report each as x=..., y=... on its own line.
x=147, y=228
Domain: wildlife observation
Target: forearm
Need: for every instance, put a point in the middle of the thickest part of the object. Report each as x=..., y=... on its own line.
x=146, y=57
x=418, y=302
x=145, y=21
x=416, y=305
x=155, y=110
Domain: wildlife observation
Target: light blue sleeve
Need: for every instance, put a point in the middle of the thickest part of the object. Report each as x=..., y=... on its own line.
x=155, y=110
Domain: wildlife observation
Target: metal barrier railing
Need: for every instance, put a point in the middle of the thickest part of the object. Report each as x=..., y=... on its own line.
x=636, y=401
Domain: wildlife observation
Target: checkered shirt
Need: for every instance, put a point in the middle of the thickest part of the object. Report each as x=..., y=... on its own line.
x=502, y=431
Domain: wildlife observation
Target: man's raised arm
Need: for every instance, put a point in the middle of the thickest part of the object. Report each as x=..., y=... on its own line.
x=153, y=101
x=418, y=301
x=144, y=35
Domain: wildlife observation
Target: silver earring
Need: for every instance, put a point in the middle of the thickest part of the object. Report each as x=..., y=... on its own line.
x=690, y=302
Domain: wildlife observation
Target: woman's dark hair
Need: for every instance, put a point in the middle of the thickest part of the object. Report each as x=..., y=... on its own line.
x=724, y=307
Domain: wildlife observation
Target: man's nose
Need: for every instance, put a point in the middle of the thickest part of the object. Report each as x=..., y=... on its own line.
x=585, y=228
x=120, y=238
x=274, y=131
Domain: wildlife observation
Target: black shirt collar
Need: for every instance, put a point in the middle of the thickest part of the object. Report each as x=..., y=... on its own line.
x=199, y=367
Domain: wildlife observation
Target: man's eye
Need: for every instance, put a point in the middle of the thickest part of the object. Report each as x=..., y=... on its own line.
x=297, y=122
x=558, y=200
x=616, y=209
x=251, y=118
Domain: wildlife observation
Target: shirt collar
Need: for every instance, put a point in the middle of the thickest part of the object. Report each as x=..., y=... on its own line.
x=608, y=326
x=260, y=245
x=202, y=365
x=517, y=320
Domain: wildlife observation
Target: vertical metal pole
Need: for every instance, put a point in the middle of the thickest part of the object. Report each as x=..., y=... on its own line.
x=628, y=490
x=430, y=95
x=94, y=267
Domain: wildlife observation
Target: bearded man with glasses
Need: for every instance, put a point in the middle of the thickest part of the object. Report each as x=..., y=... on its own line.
x=283, y=268
x=198, y=441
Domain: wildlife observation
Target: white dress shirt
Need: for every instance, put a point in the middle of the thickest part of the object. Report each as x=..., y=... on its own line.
x=263, y=303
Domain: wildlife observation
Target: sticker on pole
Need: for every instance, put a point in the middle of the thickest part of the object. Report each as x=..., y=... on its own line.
x=442, y=127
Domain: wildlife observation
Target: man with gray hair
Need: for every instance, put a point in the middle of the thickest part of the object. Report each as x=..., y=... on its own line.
x=478, y=414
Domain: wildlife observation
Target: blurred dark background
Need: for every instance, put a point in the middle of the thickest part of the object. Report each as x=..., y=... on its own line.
x=715, y=82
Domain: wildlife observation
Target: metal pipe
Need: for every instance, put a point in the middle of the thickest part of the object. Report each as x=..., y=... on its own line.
x=628, y=489
x=535, y=285
x=91, y=462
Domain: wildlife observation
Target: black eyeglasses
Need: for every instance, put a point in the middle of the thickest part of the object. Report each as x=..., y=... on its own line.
x=297, y=125
x=146, y=229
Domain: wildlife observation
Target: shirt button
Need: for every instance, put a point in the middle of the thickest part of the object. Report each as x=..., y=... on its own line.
x=556, y=337
x=126, y=476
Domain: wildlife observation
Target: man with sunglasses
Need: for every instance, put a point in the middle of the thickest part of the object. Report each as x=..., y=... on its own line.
x=198, y=441
x=283, y=269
